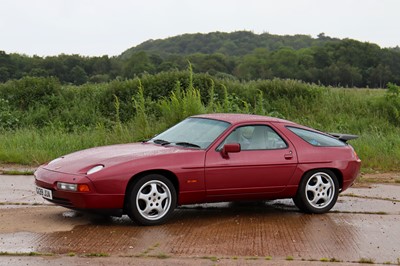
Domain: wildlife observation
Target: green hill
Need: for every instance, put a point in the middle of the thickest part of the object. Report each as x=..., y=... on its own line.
x=237, y=43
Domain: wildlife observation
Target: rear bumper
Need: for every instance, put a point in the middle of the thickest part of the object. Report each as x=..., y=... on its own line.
x=350, y=174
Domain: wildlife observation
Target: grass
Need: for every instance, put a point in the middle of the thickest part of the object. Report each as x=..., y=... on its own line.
x=34, y=147
x=329, y=260
x=365, y=212
x=212, y=258
x=17, y=172
x=251, y=258
x=366, y=261
x=146, y=253
x=123, y=111
x=368, y=197
x=96, y=255
x=160, y=256
x=25, y=254
x=23, y=204
x=362, y=179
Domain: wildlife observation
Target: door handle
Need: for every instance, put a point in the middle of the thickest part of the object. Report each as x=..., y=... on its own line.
x=289, y=155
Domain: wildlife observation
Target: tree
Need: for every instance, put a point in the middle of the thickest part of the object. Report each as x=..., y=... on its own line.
x=78, y=75
x=138, y=63
x=255, y=65
x=379, y=75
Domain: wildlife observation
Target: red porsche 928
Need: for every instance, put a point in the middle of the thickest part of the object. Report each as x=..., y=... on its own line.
x=204, y=158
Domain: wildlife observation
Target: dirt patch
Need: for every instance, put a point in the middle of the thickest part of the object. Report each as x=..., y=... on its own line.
x=16, y=167
x=363, y=180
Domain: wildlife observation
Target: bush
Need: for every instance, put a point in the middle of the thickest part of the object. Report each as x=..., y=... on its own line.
x=29, y=91
x=8, y=118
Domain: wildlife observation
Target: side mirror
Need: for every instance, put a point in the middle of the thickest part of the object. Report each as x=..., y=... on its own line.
x=230, y=148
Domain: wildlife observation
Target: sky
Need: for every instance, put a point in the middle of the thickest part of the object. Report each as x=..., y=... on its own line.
x=109, y=27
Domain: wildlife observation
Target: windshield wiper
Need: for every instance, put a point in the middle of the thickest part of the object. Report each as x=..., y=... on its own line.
x=187, y=144
x=161, y=142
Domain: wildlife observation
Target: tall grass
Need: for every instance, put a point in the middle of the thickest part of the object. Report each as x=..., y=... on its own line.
x=60, y=120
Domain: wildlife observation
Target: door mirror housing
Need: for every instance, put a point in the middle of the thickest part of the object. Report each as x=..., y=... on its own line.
x=230, y=148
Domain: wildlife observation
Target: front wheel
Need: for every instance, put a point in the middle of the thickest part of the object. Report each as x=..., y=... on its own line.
x=317, y=192
x=151, y=200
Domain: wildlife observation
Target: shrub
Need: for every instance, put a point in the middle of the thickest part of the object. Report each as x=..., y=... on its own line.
x=8, y=118
x=29, y=91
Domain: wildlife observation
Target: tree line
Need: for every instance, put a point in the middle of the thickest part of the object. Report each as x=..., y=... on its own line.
x=235, y=56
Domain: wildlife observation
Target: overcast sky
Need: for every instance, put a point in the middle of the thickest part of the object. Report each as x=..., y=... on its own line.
x=109, y=27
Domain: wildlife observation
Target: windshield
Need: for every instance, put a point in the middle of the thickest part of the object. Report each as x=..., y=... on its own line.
x=192, y=132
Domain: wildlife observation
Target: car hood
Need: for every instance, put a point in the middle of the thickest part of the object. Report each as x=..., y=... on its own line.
x=80, y=162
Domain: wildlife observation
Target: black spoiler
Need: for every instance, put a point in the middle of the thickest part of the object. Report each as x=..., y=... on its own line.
x=343, y=137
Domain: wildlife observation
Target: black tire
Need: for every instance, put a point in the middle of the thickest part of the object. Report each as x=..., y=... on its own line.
x=151, y=200
x=318, y=191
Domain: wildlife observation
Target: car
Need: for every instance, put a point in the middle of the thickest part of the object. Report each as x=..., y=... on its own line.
x=204, y=158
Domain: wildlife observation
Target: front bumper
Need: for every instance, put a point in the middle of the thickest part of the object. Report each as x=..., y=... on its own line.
x=90, y=201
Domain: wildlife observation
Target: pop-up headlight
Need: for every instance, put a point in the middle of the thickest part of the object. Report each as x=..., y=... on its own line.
x=95, y=169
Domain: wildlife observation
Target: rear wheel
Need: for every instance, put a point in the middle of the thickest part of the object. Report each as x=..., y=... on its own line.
x=151, y=200
x=318, y=192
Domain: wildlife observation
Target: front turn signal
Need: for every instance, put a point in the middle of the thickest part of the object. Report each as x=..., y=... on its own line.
x=83, y=188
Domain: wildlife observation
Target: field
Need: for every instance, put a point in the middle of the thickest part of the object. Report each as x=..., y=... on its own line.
x=40, y=119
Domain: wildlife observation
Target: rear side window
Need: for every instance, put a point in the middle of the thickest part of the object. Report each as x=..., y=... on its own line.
x=316, y=139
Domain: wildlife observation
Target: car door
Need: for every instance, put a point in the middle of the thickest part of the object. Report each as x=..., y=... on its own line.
x=265, y=163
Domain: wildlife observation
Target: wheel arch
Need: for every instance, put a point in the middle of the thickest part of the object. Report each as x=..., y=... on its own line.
x=168, y=174
x=338, y=175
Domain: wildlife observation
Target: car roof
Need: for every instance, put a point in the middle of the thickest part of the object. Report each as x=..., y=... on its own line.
x=238, y=118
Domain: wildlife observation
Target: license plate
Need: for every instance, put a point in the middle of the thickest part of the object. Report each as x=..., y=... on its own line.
x=45, y=193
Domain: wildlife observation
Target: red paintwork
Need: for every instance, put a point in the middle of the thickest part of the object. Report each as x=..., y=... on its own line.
x=200, y=175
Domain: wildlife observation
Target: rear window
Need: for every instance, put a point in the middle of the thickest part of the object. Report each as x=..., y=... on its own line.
x=316, y=139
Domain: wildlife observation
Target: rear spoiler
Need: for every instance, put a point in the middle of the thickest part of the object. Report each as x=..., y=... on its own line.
x=343, y=137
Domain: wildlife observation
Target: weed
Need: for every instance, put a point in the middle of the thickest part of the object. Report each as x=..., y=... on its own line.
x=160, y=256
x=329, y=260
x=96, y=255
x=146, y=252
x=268, y=258
x=367, y=197
x=366, y=261
x=212, y=258
x=17, y=172
x=25, y=254
x=289, y=258
x=117, y=115
x=354, y=212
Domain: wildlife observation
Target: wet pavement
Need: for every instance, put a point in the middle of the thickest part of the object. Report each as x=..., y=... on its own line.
x=364, y=226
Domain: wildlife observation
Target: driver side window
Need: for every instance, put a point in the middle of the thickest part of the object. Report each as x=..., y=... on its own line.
x=255, y=137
